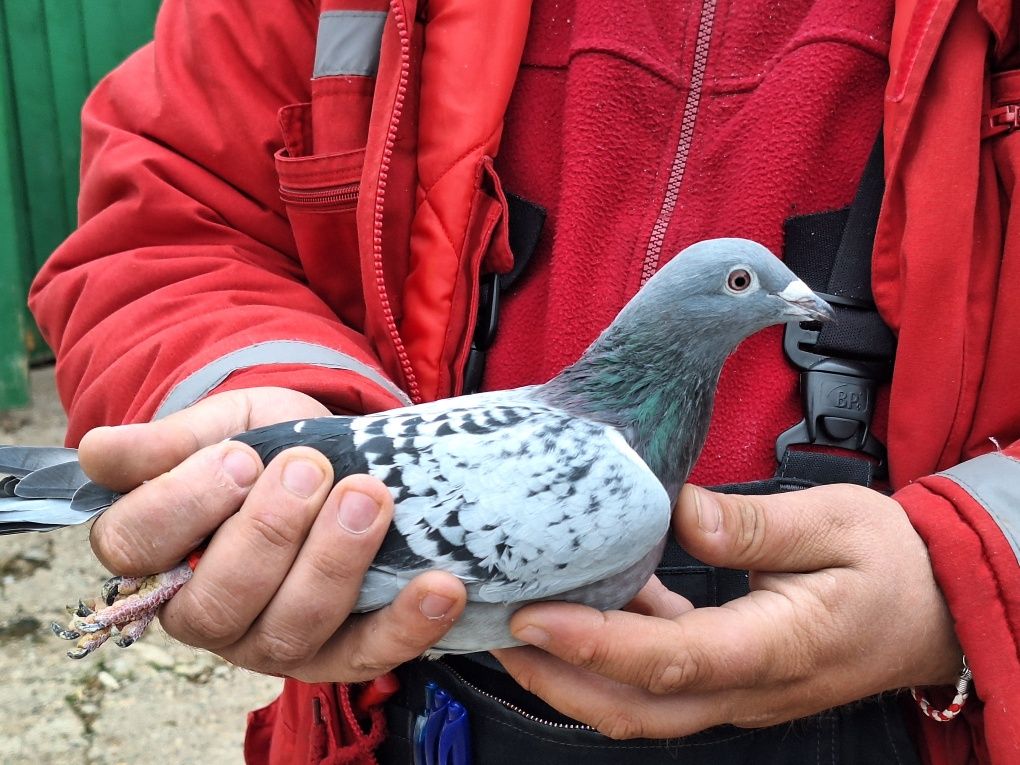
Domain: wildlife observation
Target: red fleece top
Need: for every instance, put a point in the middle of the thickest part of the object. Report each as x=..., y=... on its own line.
x=641, y=129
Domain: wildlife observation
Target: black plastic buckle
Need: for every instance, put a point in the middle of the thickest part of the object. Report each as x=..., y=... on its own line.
x=485, y=332
x=838, y=394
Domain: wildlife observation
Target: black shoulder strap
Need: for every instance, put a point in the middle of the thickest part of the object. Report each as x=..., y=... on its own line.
x=831, y=252
x=843, y=362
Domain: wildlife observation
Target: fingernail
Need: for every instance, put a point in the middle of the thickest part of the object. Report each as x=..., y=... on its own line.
x=240, y=467
x=709, y=512
x=533, y=635
x=302, y=477
x=434, y=606
x=357, y=512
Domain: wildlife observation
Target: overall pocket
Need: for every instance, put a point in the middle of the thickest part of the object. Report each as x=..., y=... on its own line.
x=505, y=733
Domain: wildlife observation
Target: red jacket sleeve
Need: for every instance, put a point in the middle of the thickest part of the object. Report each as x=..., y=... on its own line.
x=184, y=259
x=969, y=517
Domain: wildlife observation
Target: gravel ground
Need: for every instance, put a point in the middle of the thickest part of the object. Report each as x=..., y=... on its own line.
x=156, y=701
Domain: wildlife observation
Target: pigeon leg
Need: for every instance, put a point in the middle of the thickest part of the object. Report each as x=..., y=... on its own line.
x=131, y=605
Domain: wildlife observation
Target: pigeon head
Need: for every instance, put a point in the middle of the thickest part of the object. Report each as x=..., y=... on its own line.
x=653, y=372
x=719, y=292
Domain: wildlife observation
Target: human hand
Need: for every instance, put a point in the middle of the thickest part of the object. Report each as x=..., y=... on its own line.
x=843, y=606
x=287, y=552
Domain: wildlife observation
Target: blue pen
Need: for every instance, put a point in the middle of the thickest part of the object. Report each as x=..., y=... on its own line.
x=419, y=723
x=434, y=726
x=430, y=695
x=455, y=738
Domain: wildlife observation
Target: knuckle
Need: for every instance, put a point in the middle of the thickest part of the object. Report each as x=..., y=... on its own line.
x=679, y=671
x=591, y=654
x=673, y=674
x=620, y=724
x=326, y=566
x=364, y=664
x=116, y=547
x=280, y=651
x=853, y=490
x=829, y=594
x=278, y=530
x=749, y=539
x=848, y=505
x=205, y=622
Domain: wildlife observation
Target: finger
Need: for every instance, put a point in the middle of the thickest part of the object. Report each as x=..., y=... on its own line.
x=122, y=457
x=621, y=711
x=250, y=554
x=615, y=709
x=324, y=582
x=155, y=526
x=375, y=643
x=705, y=649
x=793, y=532
x=656, y=599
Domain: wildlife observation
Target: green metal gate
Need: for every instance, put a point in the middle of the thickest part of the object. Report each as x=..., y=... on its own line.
x=52, y=52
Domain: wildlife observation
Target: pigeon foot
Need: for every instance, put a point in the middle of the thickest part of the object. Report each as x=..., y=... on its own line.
x=127, y=606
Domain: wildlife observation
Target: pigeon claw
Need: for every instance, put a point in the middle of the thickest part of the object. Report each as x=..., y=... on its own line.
x=131, y=631
x=64, y=634
x=112, y=589
x=89, y=628
x=88, y=644
x=131, y=605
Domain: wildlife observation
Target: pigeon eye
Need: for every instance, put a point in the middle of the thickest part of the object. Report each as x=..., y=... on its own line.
x=739, y=280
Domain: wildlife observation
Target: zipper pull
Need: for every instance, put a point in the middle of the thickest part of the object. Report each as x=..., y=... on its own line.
x=1002, y=119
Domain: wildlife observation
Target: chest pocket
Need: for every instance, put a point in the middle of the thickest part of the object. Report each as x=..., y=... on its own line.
x=322, y=160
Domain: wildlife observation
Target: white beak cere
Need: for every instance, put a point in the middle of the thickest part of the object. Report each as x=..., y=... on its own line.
x=804, y=303
x=796, y=292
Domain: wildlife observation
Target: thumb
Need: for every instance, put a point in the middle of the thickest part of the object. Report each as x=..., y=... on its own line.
x=792, y=532
x=122, y=457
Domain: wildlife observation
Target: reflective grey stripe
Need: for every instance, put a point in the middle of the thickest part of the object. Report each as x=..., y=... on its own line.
x=348, y=43
x=198, y=384
x=994, y=481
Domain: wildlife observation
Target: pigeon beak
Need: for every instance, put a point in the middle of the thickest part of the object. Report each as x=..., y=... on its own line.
x=803, y=304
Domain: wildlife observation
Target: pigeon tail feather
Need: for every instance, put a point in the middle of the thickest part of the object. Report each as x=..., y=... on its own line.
x=41, y=482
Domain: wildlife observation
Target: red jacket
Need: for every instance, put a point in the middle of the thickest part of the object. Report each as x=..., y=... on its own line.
x=352, y=258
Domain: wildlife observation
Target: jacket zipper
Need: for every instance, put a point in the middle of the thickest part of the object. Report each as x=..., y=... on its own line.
x=653, y=253
x=411, y=381
x=325, y=197
x=513, y=707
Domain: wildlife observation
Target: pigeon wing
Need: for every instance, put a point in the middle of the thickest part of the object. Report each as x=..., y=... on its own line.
x=520, y=500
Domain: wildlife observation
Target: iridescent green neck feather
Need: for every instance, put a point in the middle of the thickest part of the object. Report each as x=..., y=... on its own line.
x=657, y=391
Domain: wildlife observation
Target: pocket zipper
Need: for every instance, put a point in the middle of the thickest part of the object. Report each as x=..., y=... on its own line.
x=514, y=707
x=346, y=193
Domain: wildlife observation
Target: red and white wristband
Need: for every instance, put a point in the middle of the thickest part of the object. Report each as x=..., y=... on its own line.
x=962, y=693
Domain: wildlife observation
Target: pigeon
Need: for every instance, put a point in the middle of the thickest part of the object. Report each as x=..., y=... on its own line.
x=558, y=491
